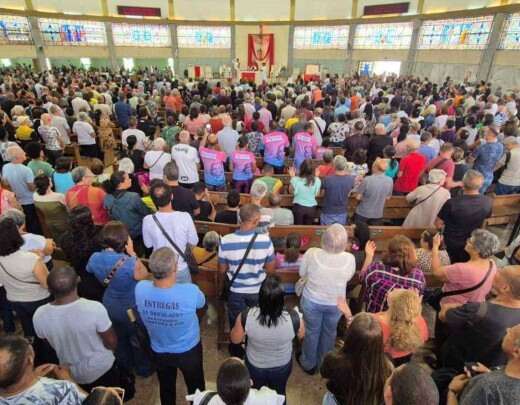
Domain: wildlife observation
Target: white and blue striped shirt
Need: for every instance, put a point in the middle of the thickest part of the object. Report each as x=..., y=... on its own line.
x=233, y=248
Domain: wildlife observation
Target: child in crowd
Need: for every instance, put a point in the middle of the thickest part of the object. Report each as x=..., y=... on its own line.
x=288, y=256
x=97, y=167
x=62, y=177
x=24, y=132
x=274, y=185
x=207, y=209
x=359, y=158
x=392, y=163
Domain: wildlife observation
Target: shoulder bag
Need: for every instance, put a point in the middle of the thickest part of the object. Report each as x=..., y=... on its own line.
x=113, y=271
x=434, y=296
x=207, y=398
x=187, y=255
x=227, y=283
x=427, y=198
x=16, y=278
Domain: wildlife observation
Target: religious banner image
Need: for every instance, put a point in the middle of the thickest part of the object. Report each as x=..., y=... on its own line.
x=260, y=50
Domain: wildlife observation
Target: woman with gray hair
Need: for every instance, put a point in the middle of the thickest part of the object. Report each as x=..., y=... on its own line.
x=86, y=134
x=479, y=271
x=427, y=201
x=207, y=255
x=326, y=272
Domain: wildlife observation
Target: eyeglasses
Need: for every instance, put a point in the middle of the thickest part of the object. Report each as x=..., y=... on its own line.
x=116, y=391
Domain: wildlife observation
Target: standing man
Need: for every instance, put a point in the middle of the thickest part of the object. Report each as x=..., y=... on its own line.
x=169, y=312
x=337, y=190
x=410, y=169
x=260, y=259
x=462, y=215
x=142, y=140
x=486, y=157
x=509, y=181
x=304, y=144
x=21, y=181
x=123, y=112
x=187, y=159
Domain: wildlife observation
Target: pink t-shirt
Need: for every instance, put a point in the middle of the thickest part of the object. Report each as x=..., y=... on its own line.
x=463, y=275
x=192, y=126
x=304, y=147
x=274, y=148
x=213, y=161
x=243, y=163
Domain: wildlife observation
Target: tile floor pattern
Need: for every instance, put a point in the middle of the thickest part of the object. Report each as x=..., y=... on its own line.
x=302, y=388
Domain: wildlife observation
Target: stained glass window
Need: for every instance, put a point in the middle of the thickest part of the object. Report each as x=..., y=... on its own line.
x=14, y=30
x=511, y=33
x=72, y=32
x=332, y=37
x=190, y=36
x=383, y=36
x=141, y=35
x=462, y=33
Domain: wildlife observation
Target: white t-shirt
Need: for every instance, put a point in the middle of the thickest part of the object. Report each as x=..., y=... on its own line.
x=142, y=139
x=187, y=158
x=327, y=275
x=155, y=160
x=84, y=130
x=263, y=396
x=35, y=242
x=63, y=128
x=73, y=331
x=79, y=104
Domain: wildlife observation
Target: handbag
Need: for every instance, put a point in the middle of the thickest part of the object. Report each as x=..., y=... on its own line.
x=227, y=283
x=187, y=255
x=434, y=296
x=300, y=285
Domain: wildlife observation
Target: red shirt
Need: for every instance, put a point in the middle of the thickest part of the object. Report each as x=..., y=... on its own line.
x=448, y=166
x=410, y=168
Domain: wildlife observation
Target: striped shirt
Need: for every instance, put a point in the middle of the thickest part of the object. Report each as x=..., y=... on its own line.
x=380, y=279
x=233, y=248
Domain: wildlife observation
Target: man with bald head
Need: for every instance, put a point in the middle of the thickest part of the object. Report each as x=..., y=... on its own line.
x=377, y=143
x=187, y=159
x=499, y=387
x=80, y=332
x=21, y=181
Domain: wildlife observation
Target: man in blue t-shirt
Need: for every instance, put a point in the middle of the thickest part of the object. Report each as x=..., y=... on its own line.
x=169, y=313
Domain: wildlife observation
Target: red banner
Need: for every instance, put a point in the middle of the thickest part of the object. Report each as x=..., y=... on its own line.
x=260, y=50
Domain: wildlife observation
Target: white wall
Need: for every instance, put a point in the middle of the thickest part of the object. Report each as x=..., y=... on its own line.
x=17, y=4
x=254, y=10
x=281, y=42
x=202, y=9
x=323, y=9
x=77, y=7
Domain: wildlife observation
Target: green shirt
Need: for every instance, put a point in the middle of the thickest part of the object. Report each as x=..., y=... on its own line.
x=40, y=167
x=273, y=184
x=169, y=133
x=303, y=194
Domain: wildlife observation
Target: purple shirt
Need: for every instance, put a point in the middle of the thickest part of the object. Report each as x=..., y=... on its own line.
x=243, y=163
x=274, y=148
x=380, y=279
x=304, y=147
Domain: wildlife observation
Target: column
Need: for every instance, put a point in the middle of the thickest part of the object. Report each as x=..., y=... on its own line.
x=488, y=54
x=349, y=63
x=232, y=18
x=290, y=53
x=41, y=59
x=409, y=65
x=111, y=47
x=174, y=49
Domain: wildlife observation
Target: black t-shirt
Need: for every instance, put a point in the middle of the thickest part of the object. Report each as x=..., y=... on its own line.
x=227, y=217
x=184, y=200
x=205, y=211
x=476, y=333
x=376, y=146
x=462, y=215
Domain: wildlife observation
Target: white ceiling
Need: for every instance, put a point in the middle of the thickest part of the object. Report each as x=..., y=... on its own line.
x=247, y=10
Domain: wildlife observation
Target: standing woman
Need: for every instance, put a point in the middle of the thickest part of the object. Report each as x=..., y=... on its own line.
x=243, y=166
x=270, y=331
x=118, y=269
x=356, y=373
x=23, y=275
x=327, y=270
x=126, y=206
x=86, y=134
x=305, y=188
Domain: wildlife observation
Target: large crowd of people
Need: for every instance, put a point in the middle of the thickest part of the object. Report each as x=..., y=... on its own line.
x=108, y=172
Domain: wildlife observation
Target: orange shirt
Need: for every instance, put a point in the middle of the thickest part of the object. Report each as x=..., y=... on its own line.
x=91, y=197
x=385, y=327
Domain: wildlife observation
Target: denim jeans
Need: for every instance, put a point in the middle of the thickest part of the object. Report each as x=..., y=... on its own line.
x=503, y=189
x=329, y=219
x=211, y=187
x=321, y=322
x=183, y=276
x=274, y=378
x=485, y=185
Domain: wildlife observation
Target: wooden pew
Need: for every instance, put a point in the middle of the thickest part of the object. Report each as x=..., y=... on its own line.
x=506, y=209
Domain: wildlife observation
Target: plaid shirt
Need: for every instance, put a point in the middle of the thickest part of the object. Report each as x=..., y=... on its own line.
x=380, y=279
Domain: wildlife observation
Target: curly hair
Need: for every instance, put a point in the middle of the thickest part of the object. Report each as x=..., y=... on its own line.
x=401, y=254
x=404, y=306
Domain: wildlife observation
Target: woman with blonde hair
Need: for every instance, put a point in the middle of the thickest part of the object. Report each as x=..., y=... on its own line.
x=404, y=329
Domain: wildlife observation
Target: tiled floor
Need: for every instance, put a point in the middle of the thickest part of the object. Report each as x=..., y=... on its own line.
x=302, y=389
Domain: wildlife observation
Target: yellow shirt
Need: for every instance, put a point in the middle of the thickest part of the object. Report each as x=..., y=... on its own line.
x=149, y=203
x=24, y=132
x=290, y=122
